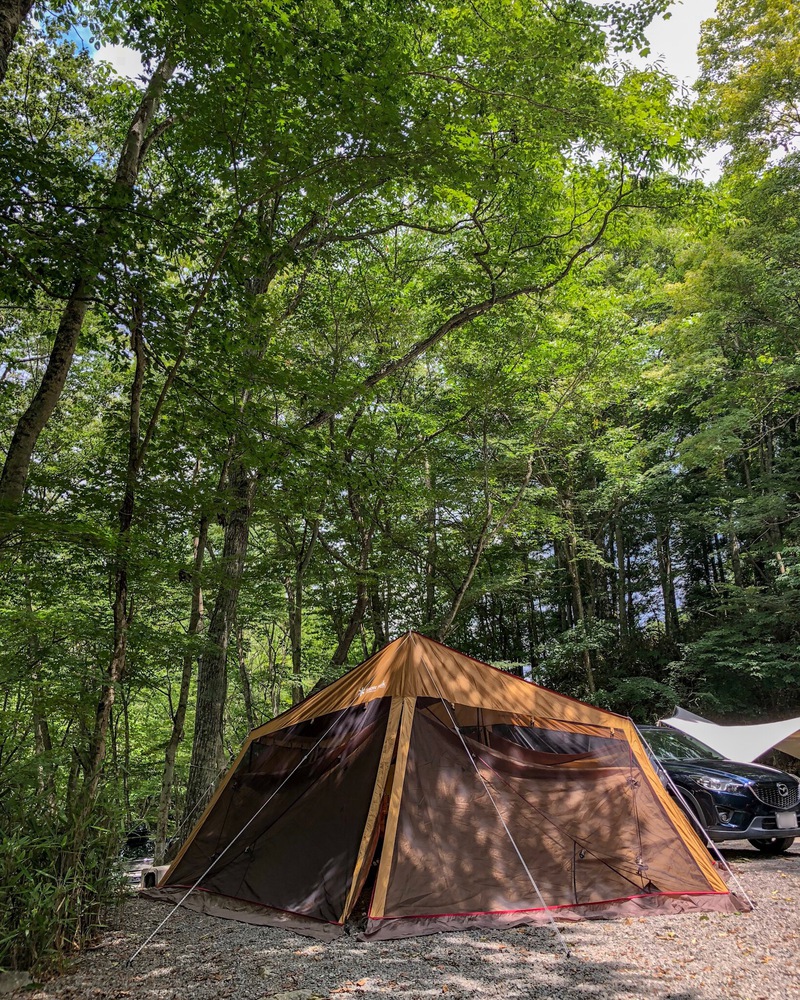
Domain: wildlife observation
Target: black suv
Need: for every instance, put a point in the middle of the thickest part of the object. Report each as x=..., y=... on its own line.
x=733, y=801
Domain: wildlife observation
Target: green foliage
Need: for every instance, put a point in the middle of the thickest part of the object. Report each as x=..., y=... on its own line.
x=51, y=902
x=420, y=276
x=750, y=57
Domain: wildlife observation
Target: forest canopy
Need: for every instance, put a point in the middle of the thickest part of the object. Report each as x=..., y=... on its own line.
x=348, y=318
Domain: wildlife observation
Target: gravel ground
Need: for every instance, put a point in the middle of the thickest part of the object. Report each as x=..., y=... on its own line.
x=747, y=956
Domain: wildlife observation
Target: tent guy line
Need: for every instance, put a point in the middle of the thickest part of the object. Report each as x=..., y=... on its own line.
x=701, y=830
x=457, y=729
x=230, y=844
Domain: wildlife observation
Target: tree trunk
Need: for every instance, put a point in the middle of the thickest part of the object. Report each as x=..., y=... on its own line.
x=12, y=14
x=619, y=546
x=244, y=678
x=564, y=604
x=113, y=212
x=126, y=757
x=667, y=582
x=294, y=601
x=122, y=606
x=486, y=534
x=43, y=742
x=207, y=745
x=339, y=657
x=578, y=606
x=446, y=623
x=179, y=716
x=708, y=575
x=734, y=551
x=377, y=616
x=276, y=653
x=301, y=549
x=629, y=595
x=430, y=556
x=530, y=600
x=33, y=420
x=716, y=555
x=44, y=747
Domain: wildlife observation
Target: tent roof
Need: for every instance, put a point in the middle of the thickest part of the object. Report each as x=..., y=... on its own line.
x=414, y=666
x=743, y=743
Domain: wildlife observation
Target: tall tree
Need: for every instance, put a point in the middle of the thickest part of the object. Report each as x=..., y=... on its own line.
x=12, y=15
x=141, y=134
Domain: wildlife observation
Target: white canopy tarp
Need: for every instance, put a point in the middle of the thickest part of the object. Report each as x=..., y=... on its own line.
x=743, y=743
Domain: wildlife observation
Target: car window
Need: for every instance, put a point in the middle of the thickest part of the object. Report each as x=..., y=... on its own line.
x=667, y=744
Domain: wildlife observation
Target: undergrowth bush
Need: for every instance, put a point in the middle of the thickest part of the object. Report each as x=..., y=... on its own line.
x=53, y=900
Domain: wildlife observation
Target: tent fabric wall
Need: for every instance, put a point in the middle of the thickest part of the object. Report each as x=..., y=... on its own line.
x=371, y=777
x=577, y=817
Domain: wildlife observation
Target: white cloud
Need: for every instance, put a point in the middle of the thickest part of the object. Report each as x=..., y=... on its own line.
x=675, y=40
x=125, y=61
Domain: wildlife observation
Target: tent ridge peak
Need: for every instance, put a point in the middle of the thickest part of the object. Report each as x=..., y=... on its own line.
x=418, y=666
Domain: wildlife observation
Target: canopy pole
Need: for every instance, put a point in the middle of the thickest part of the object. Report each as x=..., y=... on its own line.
x=252, y=819
x=690, y=814
x=532, y=880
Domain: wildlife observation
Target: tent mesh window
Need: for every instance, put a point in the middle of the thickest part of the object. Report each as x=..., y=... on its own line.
x=299, y=851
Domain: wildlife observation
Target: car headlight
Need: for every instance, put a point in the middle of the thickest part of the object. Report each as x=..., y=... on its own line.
x=719, y=784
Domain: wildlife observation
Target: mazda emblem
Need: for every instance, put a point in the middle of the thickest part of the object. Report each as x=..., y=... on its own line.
x=782, y=789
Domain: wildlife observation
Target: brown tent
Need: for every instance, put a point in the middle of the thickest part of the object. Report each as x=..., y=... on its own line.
x=439, y=793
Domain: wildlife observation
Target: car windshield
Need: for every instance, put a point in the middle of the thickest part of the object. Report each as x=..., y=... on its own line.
x=668, y=744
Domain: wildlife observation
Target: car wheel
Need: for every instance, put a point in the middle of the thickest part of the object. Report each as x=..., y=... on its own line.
x=775, y=845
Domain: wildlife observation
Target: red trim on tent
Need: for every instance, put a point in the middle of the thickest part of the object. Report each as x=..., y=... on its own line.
x=541, y=909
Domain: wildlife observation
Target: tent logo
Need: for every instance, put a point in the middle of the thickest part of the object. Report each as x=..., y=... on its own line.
x=366, y=690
